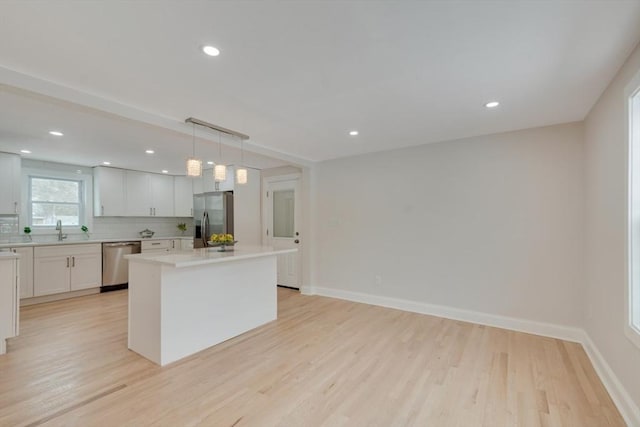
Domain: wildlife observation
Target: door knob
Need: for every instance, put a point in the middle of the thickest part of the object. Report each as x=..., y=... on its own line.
x=296, y=241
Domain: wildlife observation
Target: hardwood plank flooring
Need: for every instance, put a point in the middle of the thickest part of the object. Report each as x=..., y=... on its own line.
x=324, y=362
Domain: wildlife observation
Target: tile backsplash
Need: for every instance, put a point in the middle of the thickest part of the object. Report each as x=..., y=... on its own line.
x=129, y=227
x=8, y=226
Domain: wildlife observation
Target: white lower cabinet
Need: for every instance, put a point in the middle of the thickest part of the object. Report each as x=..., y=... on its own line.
x=66, y=268
x=9, y=295
x=26, y=270
x=156, y=246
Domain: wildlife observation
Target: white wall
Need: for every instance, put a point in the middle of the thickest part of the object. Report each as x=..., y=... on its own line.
x=491, y=224
x=606, y=151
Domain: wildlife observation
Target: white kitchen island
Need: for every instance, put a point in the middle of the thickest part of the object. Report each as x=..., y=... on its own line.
x=183, y=302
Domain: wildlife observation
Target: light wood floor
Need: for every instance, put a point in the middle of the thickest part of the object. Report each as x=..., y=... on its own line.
x=324, y=362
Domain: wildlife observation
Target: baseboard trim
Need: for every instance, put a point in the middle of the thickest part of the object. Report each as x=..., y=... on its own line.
x=566, y=333
x=628, y=409
x=621, y=398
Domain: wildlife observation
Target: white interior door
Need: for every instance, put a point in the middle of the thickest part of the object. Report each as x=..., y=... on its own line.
x=282, y=215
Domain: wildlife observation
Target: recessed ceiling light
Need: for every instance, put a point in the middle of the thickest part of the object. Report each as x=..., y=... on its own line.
x=211, y=51
x=165, y=171
x=25, y=151
x=56, y=133
x=492, y=104
x=106, y=163
x=149, y=151
x=209, y=162
x=353, y=133
x=78, y=171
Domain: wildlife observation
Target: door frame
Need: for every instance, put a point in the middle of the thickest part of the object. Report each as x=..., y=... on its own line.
x=266, y=215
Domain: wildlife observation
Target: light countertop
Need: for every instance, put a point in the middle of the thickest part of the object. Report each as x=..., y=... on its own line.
x=85, y=241
x=194, y=257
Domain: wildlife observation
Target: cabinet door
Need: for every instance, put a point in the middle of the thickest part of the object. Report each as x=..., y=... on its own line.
x=137, y=194
x=161, y=189
x=209, y=184
x=8, y=301
x=108, y=192
x=9, y=184
x=26, y=271
x=51, y=275
x=85, y=271
x=183, y=196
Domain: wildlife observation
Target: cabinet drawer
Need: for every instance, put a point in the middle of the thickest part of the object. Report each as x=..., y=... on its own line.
x=155, y=245
x=64, y=250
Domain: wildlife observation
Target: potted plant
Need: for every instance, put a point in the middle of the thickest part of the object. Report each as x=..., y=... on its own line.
x=27, y=231
x=85, y=230
x=182, y=227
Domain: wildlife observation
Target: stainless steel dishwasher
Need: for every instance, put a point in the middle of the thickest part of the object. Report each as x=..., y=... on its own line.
x=115, y=268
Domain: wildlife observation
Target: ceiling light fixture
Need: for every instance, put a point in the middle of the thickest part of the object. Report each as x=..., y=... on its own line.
x=25, y=151
x=149, y=151
x=106, y=163
x=492, y=104
x=353, y=133
x=165, y=171
x=55, y=133
x=209, y=162
x=220, y=170
x=211, y=51
x=194, y=166
x=241, y=172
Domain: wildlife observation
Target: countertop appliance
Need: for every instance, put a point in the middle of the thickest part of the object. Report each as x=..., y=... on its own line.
x=213, y=213
x=115, y=268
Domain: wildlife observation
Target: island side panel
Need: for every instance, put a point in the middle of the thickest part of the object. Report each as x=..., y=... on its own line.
x=144, y=309
x=208, y=304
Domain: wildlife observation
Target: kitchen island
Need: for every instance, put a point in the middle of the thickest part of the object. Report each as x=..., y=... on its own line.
x=183, y=302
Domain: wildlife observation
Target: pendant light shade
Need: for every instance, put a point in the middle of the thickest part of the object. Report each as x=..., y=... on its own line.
x=220, y=173
x=194, y=166
x=241, y=175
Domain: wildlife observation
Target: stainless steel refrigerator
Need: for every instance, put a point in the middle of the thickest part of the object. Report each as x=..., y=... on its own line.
x=212, y=213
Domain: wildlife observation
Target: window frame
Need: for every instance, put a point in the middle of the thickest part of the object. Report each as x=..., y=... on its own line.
x=632, y=291
x=81, y=201
x=53, y=170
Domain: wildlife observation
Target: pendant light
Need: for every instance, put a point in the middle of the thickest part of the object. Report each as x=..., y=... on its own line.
x=220, y=170
x=241, y=172
x=194, y=166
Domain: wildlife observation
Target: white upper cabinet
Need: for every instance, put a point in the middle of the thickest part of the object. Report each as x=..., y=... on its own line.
x=9, y=184
x=108, y=191
x=161, y=190
x=183, y=196
x=149, y=194
x=137, y=194
x=209, y=184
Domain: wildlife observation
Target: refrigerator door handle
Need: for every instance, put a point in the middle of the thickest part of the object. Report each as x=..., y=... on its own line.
x=205, y=229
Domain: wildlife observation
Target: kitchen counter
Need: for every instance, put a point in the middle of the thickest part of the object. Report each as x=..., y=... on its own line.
x=196, y=257
x=184, y=302
x=84, y=241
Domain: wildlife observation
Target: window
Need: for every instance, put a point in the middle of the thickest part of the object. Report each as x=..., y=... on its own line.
x=632, y=328
x=53, y=199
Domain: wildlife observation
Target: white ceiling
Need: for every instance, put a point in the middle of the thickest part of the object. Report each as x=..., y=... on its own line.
x=297, y=76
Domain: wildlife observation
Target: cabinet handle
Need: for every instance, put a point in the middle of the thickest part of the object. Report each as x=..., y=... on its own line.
x=150, y=211
x=73, y=261
x=102, y=210
x=191, y=211
x=67, y=262
x=15, y=207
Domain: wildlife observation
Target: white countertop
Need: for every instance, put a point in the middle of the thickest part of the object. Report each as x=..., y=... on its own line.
x=85, y=241
x=8, y=255
x=190, y=258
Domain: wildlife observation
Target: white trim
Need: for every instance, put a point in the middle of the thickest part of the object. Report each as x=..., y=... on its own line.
x=566, y=333
x=632, y=290
x=621, y=398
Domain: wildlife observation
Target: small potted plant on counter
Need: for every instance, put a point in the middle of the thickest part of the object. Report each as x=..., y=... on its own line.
x=85, y=230
x=27, y=231
x=182, y=227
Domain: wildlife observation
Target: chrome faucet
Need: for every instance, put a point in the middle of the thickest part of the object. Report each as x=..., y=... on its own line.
x=59, y=228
